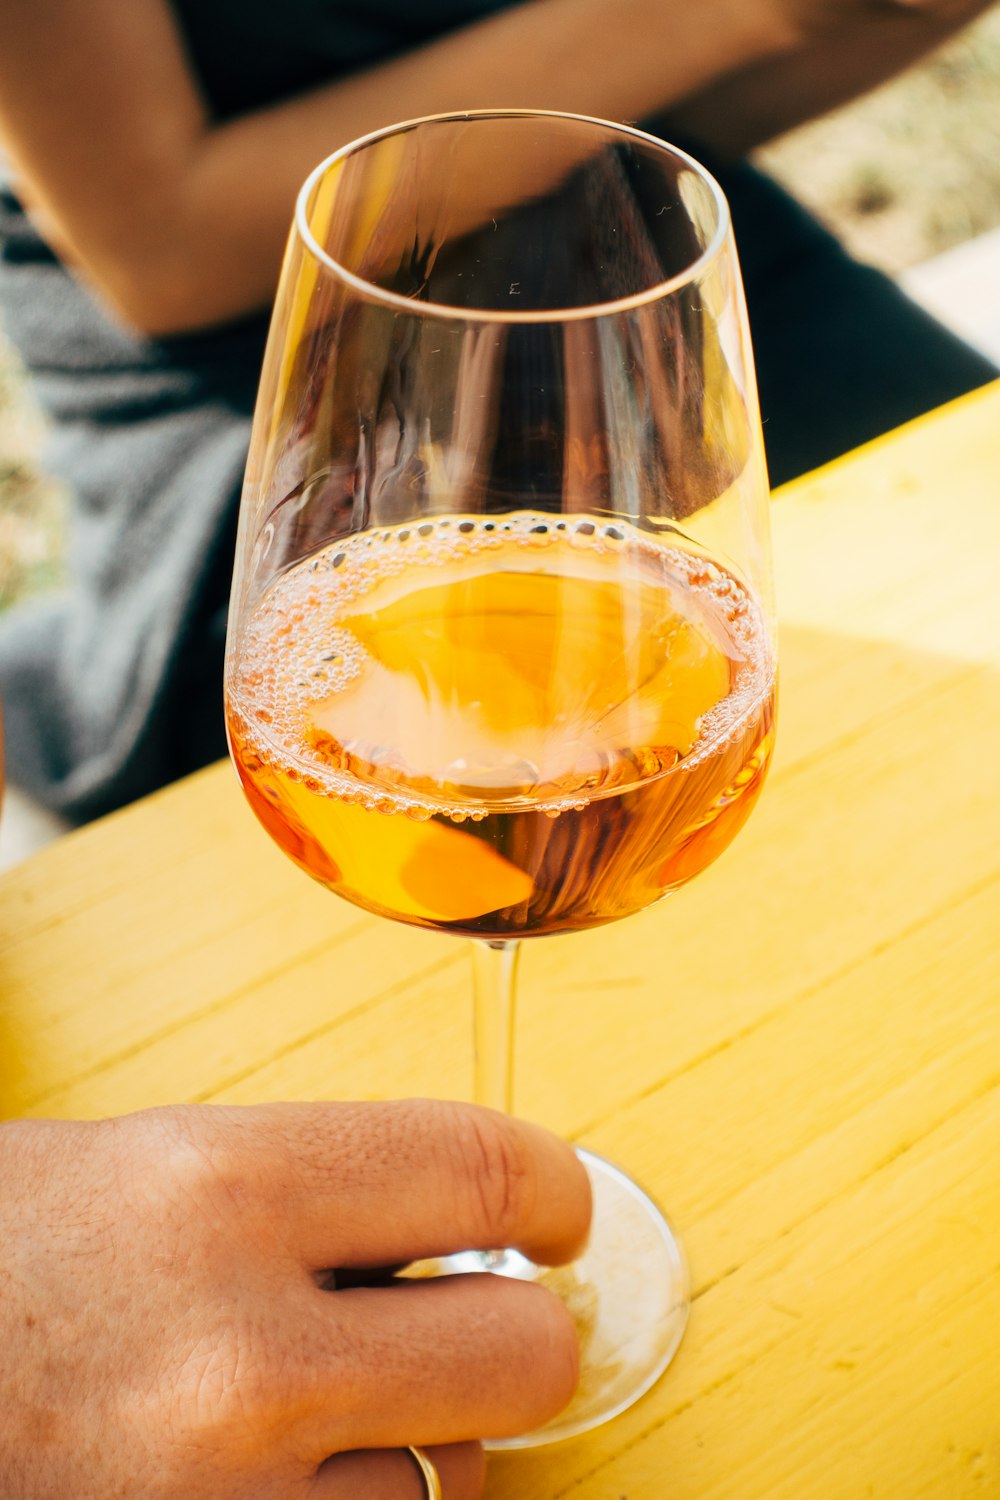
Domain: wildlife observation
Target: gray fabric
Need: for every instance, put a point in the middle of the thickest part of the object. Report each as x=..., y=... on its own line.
x=113, y=686
x=151, y=439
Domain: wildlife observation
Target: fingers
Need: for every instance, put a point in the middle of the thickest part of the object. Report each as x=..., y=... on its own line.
x=377, y=1184
x=392, y=1474
x=429, y=1362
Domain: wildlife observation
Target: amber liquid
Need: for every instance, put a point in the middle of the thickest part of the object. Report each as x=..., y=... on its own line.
x=503, y=727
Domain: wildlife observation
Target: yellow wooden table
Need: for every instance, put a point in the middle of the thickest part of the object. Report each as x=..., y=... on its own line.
x=798, y=1054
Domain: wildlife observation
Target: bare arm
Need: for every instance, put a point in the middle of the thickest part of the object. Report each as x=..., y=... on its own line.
x=766, y=98
x=181, y=222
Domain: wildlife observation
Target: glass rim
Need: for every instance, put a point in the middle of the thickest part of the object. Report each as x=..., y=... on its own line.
x=590, y=312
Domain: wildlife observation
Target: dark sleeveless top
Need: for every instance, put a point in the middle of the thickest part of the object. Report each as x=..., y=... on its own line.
x=252, y=52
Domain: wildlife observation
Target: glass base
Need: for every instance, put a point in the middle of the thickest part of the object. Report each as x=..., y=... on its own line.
x=628, y=1294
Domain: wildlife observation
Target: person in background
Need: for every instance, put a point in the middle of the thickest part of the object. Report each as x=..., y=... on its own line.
x=155, y=150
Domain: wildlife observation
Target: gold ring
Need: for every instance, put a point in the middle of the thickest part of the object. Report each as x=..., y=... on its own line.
x=430, y=1474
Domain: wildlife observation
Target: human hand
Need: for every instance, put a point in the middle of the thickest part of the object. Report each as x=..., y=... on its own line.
x=171, y=1327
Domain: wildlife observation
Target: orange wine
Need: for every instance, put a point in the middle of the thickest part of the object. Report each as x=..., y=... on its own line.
x=503, y=726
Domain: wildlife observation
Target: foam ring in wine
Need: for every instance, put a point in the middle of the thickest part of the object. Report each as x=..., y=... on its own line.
x=503, y=726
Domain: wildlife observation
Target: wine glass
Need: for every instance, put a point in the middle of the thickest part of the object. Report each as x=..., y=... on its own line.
x=501, y=651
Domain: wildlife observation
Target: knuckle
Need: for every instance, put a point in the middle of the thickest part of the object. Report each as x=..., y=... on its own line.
x=201, y=1173
x=220, y=1391
x=501, y=1171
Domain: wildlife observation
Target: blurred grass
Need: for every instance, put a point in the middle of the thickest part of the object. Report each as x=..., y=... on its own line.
x=914, y=167
x=901, y=175
x=32, y=507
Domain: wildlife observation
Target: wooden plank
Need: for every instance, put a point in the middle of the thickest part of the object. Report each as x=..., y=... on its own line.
x=866, y=870
x=169, y=933
x=899, y=541
x=853, y=1355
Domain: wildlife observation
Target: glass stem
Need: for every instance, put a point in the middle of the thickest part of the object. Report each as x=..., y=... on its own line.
x=494, y=983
